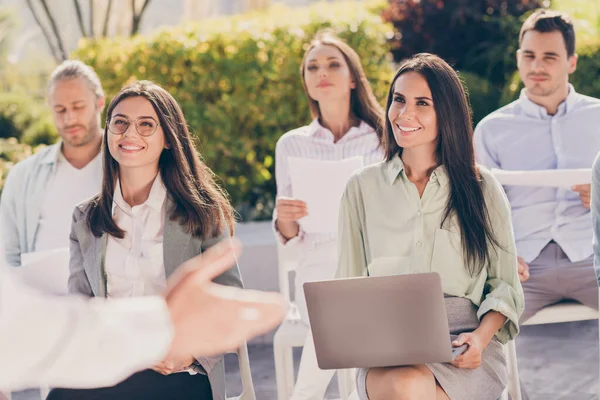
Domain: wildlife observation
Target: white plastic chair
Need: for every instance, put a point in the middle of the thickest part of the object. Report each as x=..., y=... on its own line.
x=567, y=311
x=292, y=333
x=245, y=374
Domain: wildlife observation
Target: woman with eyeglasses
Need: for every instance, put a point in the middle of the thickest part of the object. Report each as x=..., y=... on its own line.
x=159, y=206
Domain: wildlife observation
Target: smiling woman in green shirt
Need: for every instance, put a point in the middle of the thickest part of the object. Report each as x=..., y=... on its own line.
x=431, y=208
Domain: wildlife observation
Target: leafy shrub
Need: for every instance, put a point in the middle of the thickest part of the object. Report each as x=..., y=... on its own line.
x=483, y=95
x=237, y=80
x=11, y=152
x=474, y=35
x=23, y=117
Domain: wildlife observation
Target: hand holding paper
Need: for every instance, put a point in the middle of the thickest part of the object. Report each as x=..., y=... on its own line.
x=320, y=184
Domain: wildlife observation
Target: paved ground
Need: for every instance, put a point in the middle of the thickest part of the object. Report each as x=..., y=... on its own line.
x=556, y=362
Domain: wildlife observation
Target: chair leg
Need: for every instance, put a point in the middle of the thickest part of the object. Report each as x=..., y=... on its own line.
x=246, y=374
x=289, y=371
x=514, y=384
x=284, y=370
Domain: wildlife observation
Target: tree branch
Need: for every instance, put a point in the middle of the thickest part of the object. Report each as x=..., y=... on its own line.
x=91, y=18
x=106, y=18
x=137, y=17
x=79, y=18
x=61, y=46
x=143, y=8
x=53, y=50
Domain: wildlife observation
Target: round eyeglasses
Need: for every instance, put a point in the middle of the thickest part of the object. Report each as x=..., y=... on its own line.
x=145, y=126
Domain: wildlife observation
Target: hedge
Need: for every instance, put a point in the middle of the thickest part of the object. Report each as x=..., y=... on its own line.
x=27, y=119
x=237, y=80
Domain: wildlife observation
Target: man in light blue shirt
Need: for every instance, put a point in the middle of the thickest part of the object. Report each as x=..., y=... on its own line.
x=550, y=126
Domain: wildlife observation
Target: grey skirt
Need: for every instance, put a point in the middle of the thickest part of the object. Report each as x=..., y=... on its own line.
x=484, y=383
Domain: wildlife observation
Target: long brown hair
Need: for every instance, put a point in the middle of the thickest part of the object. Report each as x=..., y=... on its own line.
x=363, y=104
x=198, y=201
x=455, y=152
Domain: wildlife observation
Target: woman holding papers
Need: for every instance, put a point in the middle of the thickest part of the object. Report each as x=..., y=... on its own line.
x=344, y=135
x=159, y=206
x=432, y=209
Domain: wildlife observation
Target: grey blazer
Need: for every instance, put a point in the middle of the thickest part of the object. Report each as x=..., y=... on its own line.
x=87, y=275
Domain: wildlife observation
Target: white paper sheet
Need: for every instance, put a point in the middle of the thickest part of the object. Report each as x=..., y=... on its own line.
x=560, y=178
x=47, y=271
x=321, y=184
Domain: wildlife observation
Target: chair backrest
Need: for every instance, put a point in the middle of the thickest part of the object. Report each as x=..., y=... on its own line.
x=286, y=263
x=566, y=311
x=245, y=374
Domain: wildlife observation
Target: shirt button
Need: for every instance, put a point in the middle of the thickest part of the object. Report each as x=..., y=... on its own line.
x=419, y=244
x=419, y=213
x=415, y=272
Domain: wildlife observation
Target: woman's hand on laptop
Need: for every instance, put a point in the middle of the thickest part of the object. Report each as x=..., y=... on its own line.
x=478, y=340
x=471, y=358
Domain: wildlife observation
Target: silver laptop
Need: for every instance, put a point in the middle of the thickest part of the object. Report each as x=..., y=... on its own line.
x=379, y=321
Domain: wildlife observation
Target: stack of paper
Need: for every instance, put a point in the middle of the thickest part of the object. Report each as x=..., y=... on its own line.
x=47, y=271
x=321, y=185
x=560, y=178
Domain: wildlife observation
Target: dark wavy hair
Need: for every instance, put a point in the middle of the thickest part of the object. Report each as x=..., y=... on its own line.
x=456, y=153
x=199, y=203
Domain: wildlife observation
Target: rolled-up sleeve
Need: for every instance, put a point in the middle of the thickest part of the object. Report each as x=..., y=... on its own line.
x=503, y=292
x=352, y=256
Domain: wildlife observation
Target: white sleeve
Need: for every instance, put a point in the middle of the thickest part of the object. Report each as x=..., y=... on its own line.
x=76, y=342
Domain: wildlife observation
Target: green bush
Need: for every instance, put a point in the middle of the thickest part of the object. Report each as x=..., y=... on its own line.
x=479, y=36
x=11, y=152
x=483, y=95
x=237, y=80
x=26, y=119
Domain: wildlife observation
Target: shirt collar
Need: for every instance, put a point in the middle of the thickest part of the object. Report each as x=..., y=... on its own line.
x=396, y=166
x=155, y=201
x=317, y=130
x=51, y=157
x=535, y=110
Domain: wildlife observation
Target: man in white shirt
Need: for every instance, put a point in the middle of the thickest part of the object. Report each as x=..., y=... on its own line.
x=42, y=191
x=46, y=340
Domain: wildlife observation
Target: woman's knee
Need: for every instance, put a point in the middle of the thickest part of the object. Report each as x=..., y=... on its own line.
x=403, y=383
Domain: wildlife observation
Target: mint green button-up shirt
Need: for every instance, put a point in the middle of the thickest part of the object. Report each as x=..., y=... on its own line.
x=385, y=228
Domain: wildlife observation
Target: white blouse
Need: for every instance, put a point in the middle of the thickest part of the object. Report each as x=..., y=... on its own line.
x=135, y=264
x=316, y=142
